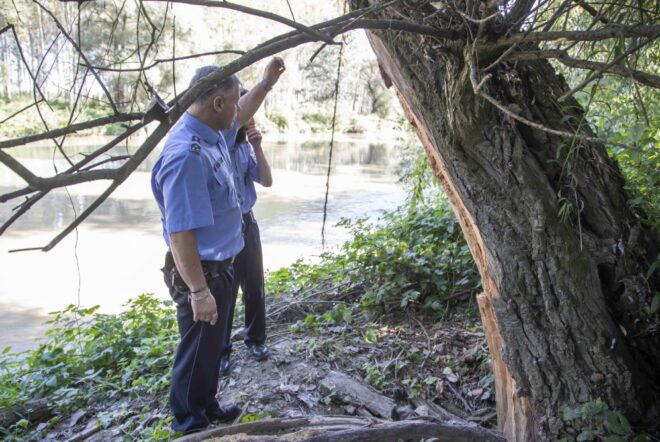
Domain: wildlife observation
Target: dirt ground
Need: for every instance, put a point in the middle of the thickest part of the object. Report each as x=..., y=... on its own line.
x=404, y=364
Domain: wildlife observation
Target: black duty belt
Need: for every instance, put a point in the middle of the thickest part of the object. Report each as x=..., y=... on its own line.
x=211, y=269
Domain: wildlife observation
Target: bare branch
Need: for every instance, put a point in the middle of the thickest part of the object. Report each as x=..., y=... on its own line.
x=519, y=11
x=25, y=63
x=561, y=56
x=166, y=60
x=72, y=128
x=258, y=13
x=477, y=86
x=591, y=10
x=82, y=55
x=35, y=103
x=27, y=205
x=604, y=33
x=599, y=72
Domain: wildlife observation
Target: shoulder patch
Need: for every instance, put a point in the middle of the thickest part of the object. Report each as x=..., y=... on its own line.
x=195, y=147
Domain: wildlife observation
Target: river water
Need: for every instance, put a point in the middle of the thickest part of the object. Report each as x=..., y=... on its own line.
x=117, y=252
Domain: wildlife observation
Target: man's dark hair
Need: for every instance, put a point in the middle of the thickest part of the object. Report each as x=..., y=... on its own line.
x=224, y=86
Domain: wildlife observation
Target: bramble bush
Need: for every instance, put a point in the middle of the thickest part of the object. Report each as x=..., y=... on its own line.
x=90, y=358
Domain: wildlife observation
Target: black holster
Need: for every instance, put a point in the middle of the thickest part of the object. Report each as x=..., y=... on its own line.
x=179, y=290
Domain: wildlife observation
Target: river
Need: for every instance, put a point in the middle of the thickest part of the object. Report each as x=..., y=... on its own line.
x=117, y=252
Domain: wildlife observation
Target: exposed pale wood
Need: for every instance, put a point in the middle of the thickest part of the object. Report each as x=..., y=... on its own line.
x=358, y=393
x=514, y=413
x=411, y=106
x=344, y=429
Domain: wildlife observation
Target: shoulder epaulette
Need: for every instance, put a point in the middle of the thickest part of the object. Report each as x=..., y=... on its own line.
x=195, y=147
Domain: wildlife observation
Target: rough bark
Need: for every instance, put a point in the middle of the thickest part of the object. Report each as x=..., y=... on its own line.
x=344, y=429
x=561, y=255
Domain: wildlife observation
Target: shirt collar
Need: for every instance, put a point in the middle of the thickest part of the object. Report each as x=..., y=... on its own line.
x=209, y=135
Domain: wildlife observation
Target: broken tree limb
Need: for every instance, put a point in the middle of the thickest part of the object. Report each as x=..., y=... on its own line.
x=343, y=429
x=36, y=411
x=358, y=393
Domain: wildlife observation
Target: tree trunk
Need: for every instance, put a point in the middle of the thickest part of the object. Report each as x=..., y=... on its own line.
x=561, y=255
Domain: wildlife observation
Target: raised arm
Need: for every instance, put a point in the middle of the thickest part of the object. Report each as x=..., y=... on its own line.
x=250, y=102
x=254, y=137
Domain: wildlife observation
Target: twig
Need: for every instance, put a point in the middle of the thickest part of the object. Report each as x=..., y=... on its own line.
x=82, y=55
x=616, y=69
x=604, y=33
x=332, y=143
x=258, y=13
x=165, y=60
x=35, y=103
x=599, y=72
x=117, y=118
x=561, y=133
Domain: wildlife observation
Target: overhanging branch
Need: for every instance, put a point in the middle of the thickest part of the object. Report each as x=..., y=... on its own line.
x=72, y=128
x=258, y=13
x=616, y=69
x=604, y=33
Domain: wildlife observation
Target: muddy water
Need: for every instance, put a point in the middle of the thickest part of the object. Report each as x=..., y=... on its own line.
x=116, y=253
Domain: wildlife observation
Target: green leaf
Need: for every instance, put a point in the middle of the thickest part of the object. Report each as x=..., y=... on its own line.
x=6, y=350
x=586, y=435
x=615, y=439
x=570, y=414
x=653, y=267
x=655, y=304
x=617, y=423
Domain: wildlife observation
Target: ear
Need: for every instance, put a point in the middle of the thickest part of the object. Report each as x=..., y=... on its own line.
x=218, y=102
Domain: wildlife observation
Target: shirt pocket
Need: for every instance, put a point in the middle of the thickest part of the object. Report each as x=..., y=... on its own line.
x=223, y=196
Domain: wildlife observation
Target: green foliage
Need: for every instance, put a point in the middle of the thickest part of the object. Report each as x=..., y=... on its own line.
x=88, y=357
x=279, y=120
x=416, y=256
x=594, y=421
x=318, y=122
x=340, y=314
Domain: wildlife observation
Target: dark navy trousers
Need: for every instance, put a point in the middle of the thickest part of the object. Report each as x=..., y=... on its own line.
x=249, y=276
x=195, y=371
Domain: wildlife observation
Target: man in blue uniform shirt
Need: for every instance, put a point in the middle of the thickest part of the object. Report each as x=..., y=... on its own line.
x=250, y=166
x=193, y=184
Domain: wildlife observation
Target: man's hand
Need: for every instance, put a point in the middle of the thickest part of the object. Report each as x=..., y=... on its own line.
x=253, y=134
x=273, y=71
x=204, y=309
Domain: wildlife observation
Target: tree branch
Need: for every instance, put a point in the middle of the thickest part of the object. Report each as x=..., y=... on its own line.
x=165, y=60
x=616, y=69
x=21, y=110
x=117, y=118
x=477, y=86
x=259, y=13
x=598, y=72
x=604, y=33
x=82, y=55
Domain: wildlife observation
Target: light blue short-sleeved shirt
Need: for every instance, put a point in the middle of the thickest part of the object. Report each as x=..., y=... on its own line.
x=246, y=173
x=193, y=183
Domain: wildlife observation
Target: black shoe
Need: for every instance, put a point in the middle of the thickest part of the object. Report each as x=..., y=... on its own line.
x=225, y=365
x=259, y=352
x=224, y=413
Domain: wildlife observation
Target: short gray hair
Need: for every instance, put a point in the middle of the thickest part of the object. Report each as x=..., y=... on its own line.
x=224, y=86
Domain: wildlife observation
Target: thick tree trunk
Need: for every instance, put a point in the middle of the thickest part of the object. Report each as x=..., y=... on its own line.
x=561, y=255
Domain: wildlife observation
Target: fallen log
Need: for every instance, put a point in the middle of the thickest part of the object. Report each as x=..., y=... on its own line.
x=343, y=429
x=356, y=392
x=36, y=411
